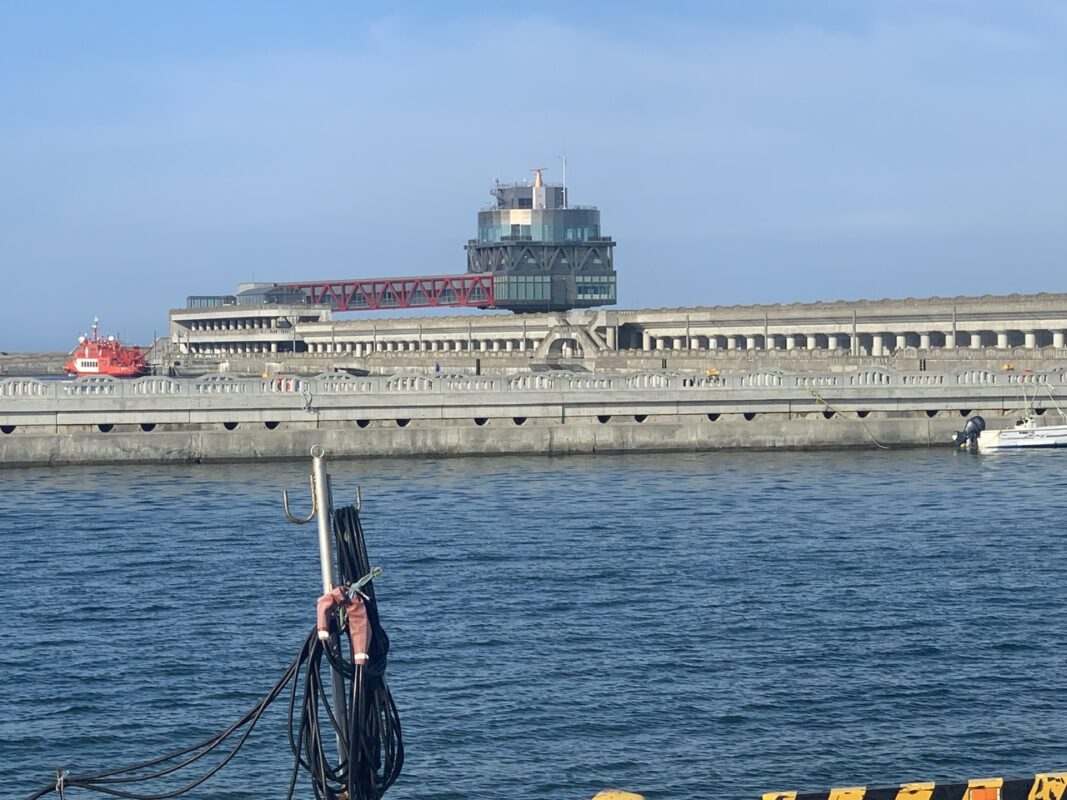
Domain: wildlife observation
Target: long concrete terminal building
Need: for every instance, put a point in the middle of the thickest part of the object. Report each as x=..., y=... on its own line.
x=303, y=337
x=538, y=254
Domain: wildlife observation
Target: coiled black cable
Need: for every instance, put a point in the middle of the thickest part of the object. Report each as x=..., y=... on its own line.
x=366, y=733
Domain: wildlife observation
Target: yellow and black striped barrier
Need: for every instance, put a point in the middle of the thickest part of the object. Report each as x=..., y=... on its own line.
x=1045, y=786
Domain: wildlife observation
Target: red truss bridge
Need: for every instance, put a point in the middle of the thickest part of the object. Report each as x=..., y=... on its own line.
x=370, y=294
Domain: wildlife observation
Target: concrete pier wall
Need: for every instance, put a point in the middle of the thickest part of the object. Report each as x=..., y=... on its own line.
x=102, y=420
x=21, y=364
x=661, y=434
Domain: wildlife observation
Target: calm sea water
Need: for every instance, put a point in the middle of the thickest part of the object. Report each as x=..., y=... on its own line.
x=685, y=625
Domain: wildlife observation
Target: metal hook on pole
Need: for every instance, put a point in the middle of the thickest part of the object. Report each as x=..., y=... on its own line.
x=314, y=505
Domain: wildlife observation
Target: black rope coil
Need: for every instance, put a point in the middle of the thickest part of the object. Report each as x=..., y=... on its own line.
x=364, y=734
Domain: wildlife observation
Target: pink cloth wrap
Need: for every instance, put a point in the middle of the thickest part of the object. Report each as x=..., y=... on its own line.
x=358, y=624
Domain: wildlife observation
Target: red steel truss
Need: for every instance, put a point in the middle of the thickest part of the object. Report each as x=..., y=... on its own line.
x=377, y=293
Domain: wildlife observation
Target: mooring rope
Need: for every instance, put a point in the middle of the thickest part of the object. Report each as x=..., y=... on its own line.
x=823, y=400
x=368, y=732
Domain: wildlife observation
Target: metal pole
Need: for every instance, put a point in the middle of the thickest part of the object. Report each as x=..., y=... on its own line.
x=324, y=510
x=324, y=521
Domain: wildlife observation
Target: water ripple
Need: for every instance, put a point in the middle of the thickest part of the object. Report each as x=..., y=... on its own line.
x=684, y=625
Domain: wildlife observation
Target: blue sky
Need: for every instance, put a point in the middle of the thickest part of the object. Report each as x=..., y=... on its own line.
x=739, y=151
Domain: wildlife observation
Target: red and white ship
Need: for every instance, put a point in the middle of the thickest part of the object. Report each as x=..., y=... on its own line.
x=97, y=355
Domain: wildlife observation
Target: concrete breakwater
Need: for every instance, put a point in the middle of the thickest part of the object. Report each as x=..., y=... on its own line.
x=103, y=420
x=22, y=364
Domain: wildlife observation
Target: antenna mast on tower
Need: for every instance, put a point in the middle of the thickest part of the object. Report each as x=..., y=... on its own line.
x=564, y=159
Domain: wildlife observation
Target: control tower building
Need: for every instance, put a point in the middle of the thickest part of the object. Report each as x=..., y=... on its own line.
x=543, y=254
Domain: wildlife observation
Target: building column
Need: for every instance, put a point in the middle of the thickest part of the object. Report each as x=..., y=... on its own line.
x=609, y=337
x=750, y=343
x=713, y=342
x=950, y=340
x=1002, y=340
x=976, y=340
x=812, y=342
x=924, y=341
x=902, y=341
x=731, y=342
x=1030, y=339
x=677, y=342
x=646, y=341
x=1057, y=338
x=877, y=345
x=790, y=342
x=831, y=342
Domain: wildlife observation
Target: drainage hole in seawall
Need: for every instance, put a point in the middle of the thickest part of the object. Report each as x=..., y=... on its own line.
x=713, y=417
x=863, y=414
x=931, y=413
x=640, y=417
x=603, y=418
x=828, y=414
x=363, y=423
x=270, y=425
x=402, y=423
x=519, y=420
x=964, y=412
x=479, y=421
x=1038, y=411
x=148, y=427
x=230, y=426
x=105, y=427
x=750, y=415
x=7, y=428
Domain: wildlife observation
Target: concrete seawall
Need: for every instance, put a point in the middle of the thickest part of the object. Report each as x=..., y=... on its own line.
x=496, y=438
x=19, y=364
x=223, y=418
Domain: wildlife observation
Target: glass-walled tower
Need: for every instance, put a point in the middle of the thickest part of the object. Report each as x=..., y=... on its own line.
x=544, y=254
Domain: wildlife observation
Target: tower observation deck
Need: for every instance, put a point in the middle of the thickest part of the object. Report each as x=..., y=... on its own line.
x=543, y=254
x=534, y=252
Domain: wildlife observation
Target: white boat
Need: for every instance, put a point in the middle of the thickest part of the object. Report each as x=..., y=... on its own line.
x=1028, y=432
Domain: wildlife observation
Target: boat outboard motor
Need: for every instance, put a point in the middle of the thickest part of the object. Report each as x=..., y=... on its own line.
x=969, y=435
